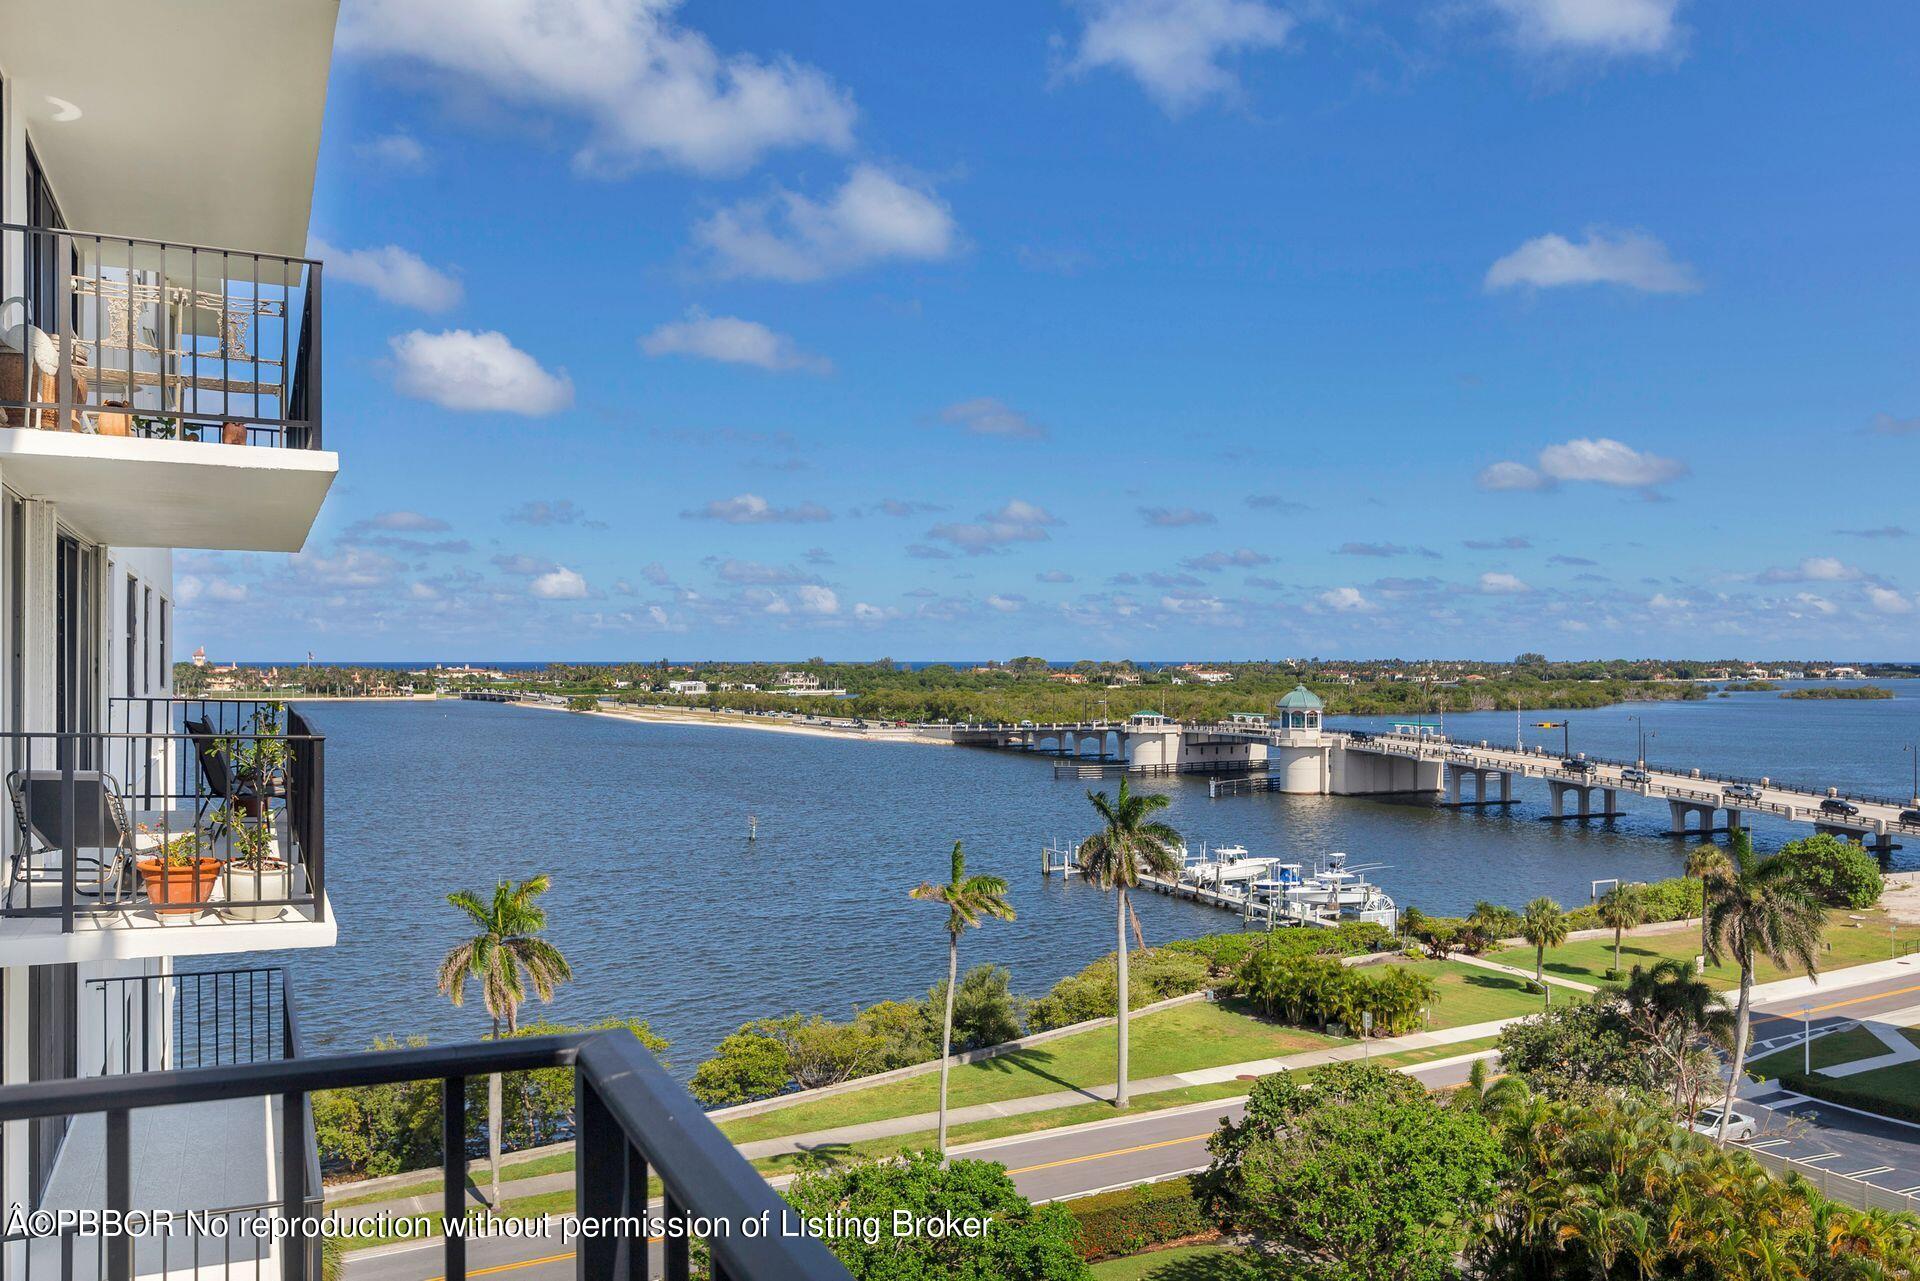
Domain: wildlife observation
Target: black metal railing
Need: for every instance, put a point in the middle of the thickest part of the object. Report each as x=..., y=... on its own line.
x=633, y=1123
x=131, y=337
x=191, y=1019
x=184, y=810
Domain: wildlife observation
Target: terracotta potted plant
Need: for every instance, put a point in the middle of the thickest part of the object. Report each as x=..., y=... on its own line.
x=254, y=871
x=178, y=877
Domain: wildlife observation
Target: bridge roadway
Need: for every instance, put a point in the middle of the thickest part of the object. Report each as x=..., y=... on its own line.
x=1692, y=795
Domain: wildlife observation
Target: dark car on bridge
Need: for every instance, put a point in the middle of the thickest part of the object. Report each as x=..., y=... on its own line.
x=1835, y=805
x=1910, y=817
x=1359, y=736
x=1574, y=765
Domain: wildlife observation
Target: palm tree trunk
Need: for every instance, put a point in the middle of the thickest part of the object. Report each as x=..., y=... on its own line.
x=946, y=1034
x=1540, y=964
x=1120, y=934
x=1618, y=930
x=1742, y=1029
x=493, y=1118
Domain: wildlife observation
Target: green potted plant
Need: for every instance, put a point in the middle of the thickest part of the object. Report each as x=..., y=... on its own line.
x=254, y=871
x=258, y=760
x=178, y=876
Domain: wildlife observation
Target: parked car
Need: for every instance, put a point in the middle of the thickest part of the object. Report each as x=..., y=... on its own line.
x=1634, y=774
x=1740, y=792
x=1836, y=805
x=1574, y=765
x=1740, y=1126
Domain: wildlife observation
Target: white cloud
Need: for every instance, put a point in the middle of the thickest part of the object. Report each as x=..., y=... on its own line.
x=193, y=589
x=1175, y=517
x=1813, y=569
x=1608, y=462
x=872, y=218
x=817, y=600
x=1660, y=600
x=1888, y=601
x=1601, y=461
x=1007, y=604
x=1017, y=522
x=411, y=522
x=1818, y=604
x=397, y=275
x=1605, y=27
x=559, y=583
x=1346, y=600
x=1631, y=259
x=397, y=150
x=647, y=88
x=1238, y=558
x=1498, y=584
x=1511, y=475
x=460, y=369
x=751, y=509
x=731, y=340
x=1174, y=47
x=989, y=416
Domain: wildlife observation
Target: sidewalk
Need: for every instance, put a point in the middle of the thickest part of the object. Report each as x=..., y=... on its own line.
x=1516, y=972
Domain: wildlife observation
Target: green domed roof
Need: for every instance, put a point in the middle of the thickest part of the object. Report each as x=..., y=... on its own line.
x=1302, y=699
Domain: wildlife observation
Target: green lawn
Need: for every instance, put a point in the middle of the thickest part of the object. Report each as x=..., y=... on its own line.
x=1177, y=1040
x=1182, y=1263
x=1849, y=941
x=1898, y=1084
x=1828, y=1051
x=1468, y=994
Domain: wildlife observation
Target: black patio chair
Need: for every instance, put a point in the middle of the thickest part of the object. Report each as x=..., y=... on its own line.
x=96, y=822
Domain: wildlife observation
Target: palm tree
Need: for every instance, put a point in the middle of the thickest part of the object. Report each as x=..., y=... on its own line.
x=1543, y=925
x=505, y=949
x=969, y=900
x=1673, y=1011
x=1621, y=908
x=1761, y=909
x=1709, y=863
x=1112, y=858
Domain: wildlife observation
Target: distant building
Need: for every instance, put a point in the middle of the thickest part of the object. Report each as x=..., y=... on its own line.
x=686, y=687
x=1211, y=677
x=200, y=657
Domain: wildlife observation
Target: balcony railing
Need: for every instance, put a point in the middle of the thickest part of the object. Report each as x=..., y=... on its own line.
x=126, y=337
x=188, y=811
x=192, y=1019
x=632, y=1120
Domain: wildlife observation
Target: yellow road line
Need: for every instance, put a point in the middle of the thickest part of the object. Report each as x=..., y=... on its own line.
x=1822, y=1009
x=508, y=1267
x=1096, y=1156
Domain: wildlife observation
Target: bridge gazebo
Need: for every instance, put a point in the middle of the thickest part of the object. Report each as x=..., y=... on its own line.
x=1300, y=709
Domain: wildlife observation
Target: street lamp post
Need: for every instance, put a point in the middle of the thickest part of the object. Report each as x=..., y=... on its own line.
x=1806, y=1040
x=1913, y=750
x=1641, y=725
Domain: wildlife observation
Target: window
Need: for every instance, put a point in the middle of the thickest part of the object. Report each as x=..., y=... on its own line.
x=166, y=655
x=43, y=274
x=146, y=641
x=133, y=632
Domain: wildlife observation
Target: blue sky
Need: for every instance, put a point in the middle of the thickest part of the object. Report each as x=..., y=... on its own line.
x=1151, y=328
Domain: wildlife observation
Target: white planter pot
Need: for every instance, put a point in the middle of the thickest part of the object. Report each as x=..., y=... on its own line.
x=272, y=883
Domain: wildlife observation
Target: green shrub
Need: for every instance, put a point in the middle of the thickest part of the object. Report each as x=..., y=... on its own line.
x=1841, y=872
x=1113, y=1224
x=1152, y=975
x=745, y=1066
x=985, y=1010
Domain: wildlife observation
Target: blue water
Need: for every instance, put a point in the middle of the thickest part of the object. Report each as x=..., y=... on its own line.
x=668, y=913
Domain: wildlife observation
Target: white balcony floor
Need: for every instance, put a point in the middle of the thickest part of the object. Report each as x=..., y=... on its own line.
x=197, y=1156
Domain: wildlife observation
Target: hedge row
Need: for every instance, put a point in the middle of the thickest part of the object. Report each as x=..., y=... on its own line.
x=1116, y=1224
x=1837, y=1090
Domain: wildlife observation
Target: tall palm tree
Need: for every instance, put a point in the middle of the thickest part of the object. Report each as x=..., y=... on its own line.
x=1621, y=908
x=505, y=949
x=1112, y=858
x=1543, y=925
x=1709, y=863
x=1760, y=909
x=969, y=900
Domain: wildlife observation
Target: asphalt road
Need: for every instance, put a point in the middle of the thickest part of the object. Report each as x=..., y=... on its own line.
x=1157, y=1145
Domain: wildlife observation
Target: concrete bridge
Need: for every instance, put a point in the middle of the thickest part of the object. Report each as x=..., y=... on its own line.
x=1295, y=753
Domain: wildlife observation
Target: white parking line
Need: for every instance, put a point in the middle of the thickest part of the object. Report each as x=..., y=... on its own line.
x=1909, y=1191
x=1770, y=1143
x=1862, y=1174
x=1809, y=1160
